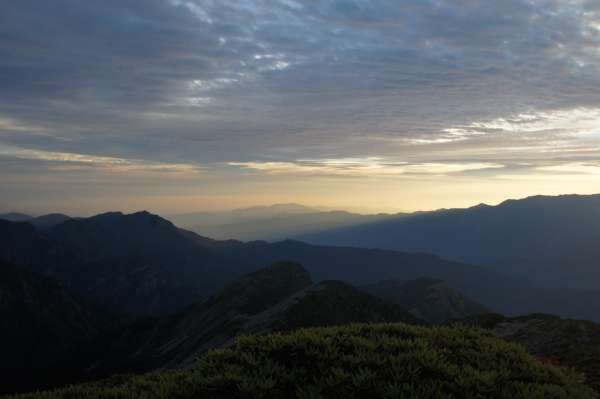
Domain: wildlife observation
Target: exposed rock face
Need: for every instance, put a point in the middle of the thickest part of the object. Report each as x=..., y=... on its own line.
x=277, y=298
x=576, y=342
x=430, y=299
x=41, y=320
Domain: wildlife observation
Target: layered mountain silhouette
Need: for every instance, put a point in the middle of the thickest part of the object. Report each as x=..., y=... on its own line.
x=271, y=223
x=41, y=223
x=140, y=263
x=427, y=298
x=538, y=227
x=578, y=268
x=15, y=217
x=360, y=266
x=41, y=320
x=280, y=297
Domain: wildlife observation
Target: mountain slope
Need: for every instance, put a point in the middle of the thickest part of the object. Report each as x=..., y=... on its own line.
x=279, y=297
x=41, y=320
x=359, y=266
x=140, y=263
x=578, y=268
x=430, y=299
x=532, y=228
x=576, y=342
x=190, y=263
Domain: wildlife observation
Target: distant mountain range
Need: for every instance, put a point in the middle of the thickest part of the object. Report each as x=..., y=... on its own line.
x=41, y=320
x=15, y=217
x=533, y=228
x=41, y=223
x=360, y=266
x=271, y=223
x=552, y=241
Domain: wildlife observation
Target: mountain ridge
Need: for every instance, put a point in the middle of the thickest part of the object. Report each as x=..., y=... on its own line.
x=276, y=298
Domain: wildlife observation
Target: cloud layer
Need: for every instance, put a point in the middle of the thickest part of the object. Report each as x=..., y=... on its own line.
x=424, y=87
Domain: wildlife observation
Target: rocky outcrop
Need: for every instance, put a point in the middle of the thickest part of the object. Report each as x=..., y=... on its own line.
x=430, y=299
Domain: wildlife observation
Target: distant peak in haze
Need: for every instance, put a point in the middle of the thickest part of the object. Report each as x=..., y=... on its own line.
x=364, y=210
x=15, y=217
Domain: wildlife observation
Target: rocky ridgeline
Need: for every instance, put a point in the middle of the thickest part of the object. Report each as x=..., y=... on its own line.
x=431, y=299
x=280, y=297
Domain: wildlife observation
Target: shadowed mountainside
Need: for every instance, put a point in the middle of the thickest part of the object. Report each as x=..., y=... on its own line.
x=277, y=298
x=536, y=227
x=430, y=299
x=577, y=269
x=41, y=320
x=359, y=266
x=140, y=263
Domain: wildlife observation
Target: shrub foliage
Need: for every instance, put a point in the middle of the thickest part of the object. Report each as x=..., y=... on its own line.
x=355, y=361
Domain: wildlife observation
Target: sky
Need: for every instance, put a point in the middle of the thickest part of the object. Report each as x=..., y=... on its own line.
x=186, y=105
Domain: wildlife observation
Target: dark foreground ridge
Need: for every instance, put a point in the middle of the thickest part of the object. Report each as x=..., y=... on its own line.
x=572, y=342
x=355, y=361
x=41, y=320
x=277, y=298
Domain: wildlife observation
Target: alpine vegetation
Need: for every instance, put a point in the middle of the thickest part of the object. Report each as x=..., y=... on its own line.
x=392, y=360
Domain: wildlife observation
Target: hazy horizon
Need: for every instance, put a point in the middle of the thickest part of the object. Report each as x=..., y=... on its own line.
x=364, y=210
x=187, y=105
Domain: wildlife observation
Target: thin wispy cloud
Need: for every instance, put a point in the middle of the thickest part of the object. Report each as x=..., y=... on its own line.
x=67, y=161
x=369, y=167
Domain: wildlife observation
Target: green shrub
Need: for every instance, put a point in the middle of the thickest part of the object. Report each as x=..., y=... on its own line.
x=355, y=361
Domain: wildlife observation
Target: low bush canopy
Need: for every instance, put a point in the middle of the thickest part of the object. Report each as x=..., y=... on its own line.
x=392, y=360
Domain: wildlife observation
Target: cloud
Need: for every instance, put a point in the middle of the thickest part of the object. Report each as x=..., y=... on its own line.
x=433, y=86
x=59, y=161
x=367, y=167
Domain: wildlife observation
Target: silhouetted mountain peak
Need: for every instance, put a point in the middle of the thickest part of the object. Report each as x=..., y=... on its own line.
x=15, y=217
x=249, y=295
x=46, y=222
